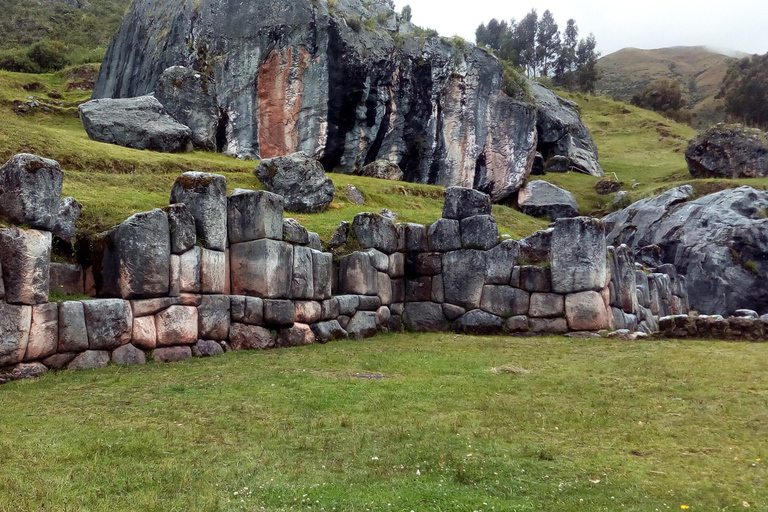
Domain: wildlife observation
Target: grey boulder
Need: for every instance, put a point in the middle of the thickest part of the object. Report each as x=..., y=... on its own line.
x=25, y=256
x=206, y=198
x=66, y=221
x=728, y=151
x=461, y=202
x=30, y=188
x=300, y=179
x=542, y=199
x=253, y=215
x=383, y=170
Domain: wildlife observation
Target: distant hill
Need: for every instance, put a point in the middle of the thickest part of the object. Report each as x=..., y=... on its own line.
x=699, y=69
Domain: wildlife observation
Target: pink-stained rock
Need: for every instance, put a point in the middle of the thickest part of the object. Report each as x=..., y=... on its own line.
x=44, y=332
x=172, y=354
x=15, y=323
x=586, y=311
x=177, y=325
x=22, y=371
x=250, y=337
x=307, y=312
x=152, y=306
x=144, y=333
x=296, y=336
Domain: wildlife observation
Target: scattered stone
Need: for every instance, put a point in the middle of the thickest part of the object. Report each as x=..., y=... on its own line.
x=728, y=151
x=300, y=179
x=30, y=188
x=383, y=170
x=206, y=198
x=542, y=199
x=354, y=195
x=307, y=311
x=607, y=186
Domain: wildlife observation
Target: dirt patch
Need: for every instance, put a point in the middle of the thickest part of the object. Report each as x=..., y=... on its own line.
x=510, y=369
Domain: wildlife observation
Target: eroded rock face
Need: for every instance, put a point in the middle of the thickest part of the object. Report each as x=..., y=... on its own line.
x=718, y=242
x=30, y=187
x=300, y=179
x=728, y=151
x=138, y=123
x=66, y=222
x=297, y=77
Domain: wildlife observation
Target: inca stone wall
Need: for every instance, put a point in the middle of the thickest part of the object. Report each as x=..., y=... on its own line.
x=212, y=273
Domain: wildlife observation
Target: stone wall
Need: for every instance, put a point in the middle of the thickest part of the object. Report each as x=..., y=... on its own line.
x=212, y=273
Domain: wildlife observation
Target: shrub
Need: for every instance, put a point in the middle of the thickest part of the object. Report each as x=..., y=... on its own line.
x=515, y=84
x=48, y=55
x=18, y=61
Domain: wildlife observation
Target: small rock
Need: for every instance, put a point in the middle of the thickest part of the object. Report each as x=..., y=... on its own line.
x=383, y=170
x=354, y=195
x=607, y=186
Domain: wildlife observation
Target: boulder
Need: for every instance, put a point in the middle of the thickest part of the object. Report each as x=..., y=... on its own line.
x=177, y=325
x=144, y=334
x=109, y=323
x=30, y=190
x=138, y=123
x=44, y=332
x=375, y=231
x=500, y=261
x=296, y=336
x=718, y=242
x=90, y=360
x=479, y=323
x=365, y=324
x=279, y=313
x=25, y=256
x=461, y=203
x=189, y=97
x=181, y=223
x=517, y=324
x=330, y=308
x=250, y=337
x=300, y=179
x=329, y=331
x=66, y=221
x=315, y=243
x=586, y=311
x=561, y=131
x=15, y=323
x=464, y=277
x=213, y=316
x=172, y=354
x=73, y=333
x=262, y=268
x=542, y=199
x=383, y=170
x=206, y=198
x=152, y=306
x=295, y=233
x=504, y=301
x=557, y=164
x=424, y=317
x=22, y=371
x=206, y=348
x=578, y=255
x=728, y=151
x=128, y=355
x=452, y=312
x=607, y=186
x=354, y=195
x=479, y=232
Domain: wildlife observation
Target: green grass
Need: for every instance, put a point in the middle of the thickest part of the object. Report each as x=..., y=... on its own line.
x=402, y=422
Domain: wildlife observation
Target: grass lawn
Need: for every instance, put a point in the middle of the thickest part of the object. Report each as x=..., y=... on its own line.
x=400, y=423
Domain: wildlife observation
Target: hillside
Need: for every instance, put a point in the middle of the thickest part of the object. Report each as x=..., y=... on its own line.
x=699, y=69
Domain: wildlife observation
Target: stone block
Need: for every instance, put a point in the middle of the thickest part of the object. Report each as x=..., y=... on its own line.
x=418, y=289
x=444, y=235
x=578, y=255
x=420, y=264
x=586, y=311
x=66, y=221
x=144, y=334
x=369, y=303
x=500, y=261
x=464, y=278
x=535, y=279
x=128, y=355
x=295, y=233
x=537, y=248
x=206, y=198
x=15, y=323
x=348, y=304
x=262, y=268
x=461, y=203
x=177, y=325
x=213, y=317
x=374, y=231
x=66, y=278
x=148, y=307
x=90, y=360
x=517, y=324
x=398, y=290
x=25, y=256
x=379, y=260
x=30, y=189
x=314, y=242
x=416, y=238
x=174, y=279
x=322, y=268
x=307, y=311
x=363, y=325
x=59, y=361
x=250, y=337
x=424, y=317
x=302, y=282
x=278, y=313
x=357, y=275
x=328, y=331
x=504, y=301
x=547, y=305
x=452, y=312
x=213, y=271
x=182, y=228
x=330, y=309
x=73, y=333
x=109, y=323
x=247, y=310
x=438, y=289
x=190, y=279
x=44, y=332
x=479, y=232
x=253, y=215
x=384, y=285
x=479, y=323
x=296, y=336
x=172, y=354
x=206, y=348
x=396, y=265
x=549, y=325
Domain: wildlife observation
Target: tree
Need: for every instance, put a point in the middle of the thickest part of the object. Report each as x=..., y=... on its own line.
x=745, y=91
x=587, y=73
x=547, y=43
x=566, y=60
x=406, y=14
x=663, y=96
x=526, y=37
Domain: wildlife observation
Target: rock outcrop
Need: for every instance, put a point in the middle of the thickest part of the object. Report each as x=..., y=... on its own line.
x=310, y=76
x=728, y=151
x=719, y=242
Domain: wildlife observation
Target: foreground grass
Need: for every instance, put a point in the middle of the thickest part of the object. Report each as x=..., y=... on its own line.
x=403, y=422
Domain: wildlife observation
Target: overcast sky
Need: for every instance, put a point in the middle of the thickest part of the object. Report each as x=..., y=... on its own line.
x=734, y=24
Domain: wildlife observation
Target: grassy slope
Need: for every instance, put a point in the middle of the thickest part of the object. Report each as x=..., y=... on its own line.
x=594, y=426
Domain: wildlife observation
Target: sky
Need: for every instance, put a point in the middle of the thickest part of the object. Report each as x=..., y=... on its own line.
x=740, y=25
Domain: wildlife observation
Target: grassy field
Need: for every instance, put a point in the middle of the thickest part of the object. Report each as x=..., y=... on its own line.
x=399, y=423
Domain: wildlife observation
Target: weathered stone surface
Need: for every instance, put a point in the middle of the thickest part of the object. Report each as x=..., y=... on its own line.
x=247, y=310
x=557, y=164
x=128, y=355
x=623, y=285
x=214, y=317
x=189, y=97
x=444, y=235
x=22, y=371
x=438, y=289
x=300, y=179
x=578, y=255
x=418, y=289
x=416, y=238
x=65, y=228
x=73, y=333
x=206, y=348
x=213, y=271
x=739, y=313
x=25, y=259
x=328, y=331
x=172, y=354
x=138, y=123
x=479, y=232
x=363, y=325
x=517, y=324
x=424, y=317
x=379, y=260
x=452, y=312
x=206, y=198
x=152, y=306
x=375, y=231
x=66, y=278
x=263, y=268
x=250, y=337
x=703, y=238
x=396, y=268
x=59, y=361
x=190, y=278
x=383, y=170
x=464, y=278
x=586, y=311
x=500, y=261
x=607, y=186
x=542, y=199
x=30, y=189
x=535, y=279
x=109, y=323
x=562, y=133
x=302, y=282
x=383, y=314
x=369, y=303
x=728, y=151
x=144, y=334
x=279, y=313
x=384, y=287
x=479, y=323
x=548, y=325
x=295, y=233
x=253, y=215
x=330, y=309
x=423, y=264
x=322, y=268
x=44, y=332
x=307, y=311
x=547, y=305
x=296, y=336
x=537, y=248
x=461, y=203
x=348, y=304
x=357, y=275
x=340, y=236
x=505, y=301
x=177, y=325
x=15, y=323
x=182, y=226
x=90, y=360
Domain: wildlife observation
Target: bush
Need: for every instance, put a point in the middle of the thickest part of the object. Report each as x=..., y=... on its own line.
x=49, y=55
x=515, y=84
x=18, y=61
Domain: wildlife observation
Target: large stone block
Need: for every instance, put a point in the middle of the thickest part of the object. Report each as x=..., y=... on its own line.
x=461, y=203
x=44, y=333
x=66, y=278
x=504, y=301
x=109, y=323
x=348, y=304
x=424, y=317
x=128, y=355
x=379, y=260
x=302, y=282
x=213, y=316
x=262, y=268
x=479, y=232
x=177, y=325
x=375, y=231
x=182, y=226
x=148, y=307
x=384, y=286
x=322, y=268
x=250, y=337
x=247, y=310
x=66, y=221
x=365, y=324
x=15, y=323
x=547, y=305
x=444, y=235
x=578, y=255
x=144, y=333
x=418, y=264
x=418, y=289
x=307, y=311
x=535, y=279
x=416, y=238
x=213, y=271
x=206, y=198
x=73, y=333
x=587, y=311
x=296, y=336
x=500, y=261
x=25, y=256
x=479, y=323
x=90, y=360
x=279, y=313
x=295, y=233
x=172, y=354
x=357, y=276
x=190, y=279
x=30, y=189
x=464, y=278
x=537, y=248
x=396, y=267
x=328, y=331
x=438, y=289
